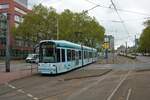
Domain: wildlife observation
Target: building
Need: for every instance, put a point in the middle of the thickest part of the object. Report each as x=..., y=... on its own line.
x=23, y=2
x=16, y=9
x=121, y=49
x=109, y=39
x=136, y=43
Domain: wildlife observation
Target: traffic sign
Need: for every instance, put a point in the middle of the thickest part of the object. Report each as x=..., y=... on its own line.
x=105, y=45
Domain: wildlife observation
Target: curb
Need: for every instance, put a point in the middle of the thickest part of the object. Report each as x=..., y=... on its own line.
x=142, y=70
x=81, y=77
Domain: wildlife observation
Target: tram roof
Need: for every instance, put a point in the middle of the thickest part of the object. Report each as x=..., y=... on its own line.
x=67, y=44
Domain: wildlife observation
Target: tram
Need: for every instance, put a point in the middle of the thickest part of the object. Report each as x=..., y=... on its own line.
x=59, y=56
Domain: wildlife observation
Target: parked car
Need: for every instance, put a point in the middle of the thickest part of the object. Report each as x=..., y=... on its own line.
x=32, y=58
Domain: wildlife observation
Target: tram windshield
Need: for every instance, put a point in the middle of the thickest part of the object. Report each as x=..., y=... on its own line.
x=47, y=53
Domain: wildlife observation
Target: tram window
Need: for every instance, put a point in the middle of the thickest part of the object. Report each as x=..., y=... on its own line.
x=58, y=55
x=90, y=54
x=68, y=55
x=76, y=54
x=48, y=55
x=84, y=55
x=73, y=54
x=63, y=55
x=79, y=54
x=93, y=55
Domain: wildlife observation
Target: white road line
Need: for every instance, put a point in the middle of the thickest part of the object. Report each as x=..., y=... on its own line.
x=21, y=91
x=13, y=87
x=35, y=98
x=30, y=95
x=77, y=93
x=129, y=93
x=117, y=87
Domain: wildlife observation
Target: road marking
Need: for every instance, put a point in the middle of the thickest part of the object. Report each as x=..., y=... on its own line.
x=117, y=87
x=35, y=98
x=129, y=93
x=13, y=87
x=75, y=94
x=21, y=91
x=30, y=95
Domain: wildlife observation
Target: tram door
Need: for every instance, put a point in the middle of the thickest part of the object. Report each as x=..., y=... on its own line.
x=76, y=57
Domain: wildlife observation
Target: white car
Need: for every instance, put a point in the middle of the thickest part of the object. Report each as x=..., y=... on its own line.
x=32, y=58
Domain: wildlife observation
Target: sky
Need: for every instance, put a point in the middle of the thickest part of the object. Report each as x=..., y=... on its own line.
x=108, y=18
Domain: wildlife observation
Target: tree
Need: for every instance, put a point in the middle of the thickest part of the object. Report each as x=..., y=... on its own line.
x=144, y=44
x=147, y=23
x=41, y=24
x=38, y=25
x=79, y=27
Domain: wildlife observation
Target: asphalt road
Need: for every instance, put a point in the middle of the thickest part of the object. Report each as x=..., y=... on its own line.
x=116, y=85
x=125, y=82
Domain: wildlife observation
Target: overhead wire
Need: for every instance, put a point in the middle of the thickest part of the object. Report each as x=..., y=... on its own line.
x=92, y=8
x=115, y=8
x=122, y=10
x=121, y=20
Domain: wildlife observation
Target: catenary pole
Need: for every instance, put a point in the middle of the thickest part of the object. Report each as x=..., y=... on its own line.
x=7, y=61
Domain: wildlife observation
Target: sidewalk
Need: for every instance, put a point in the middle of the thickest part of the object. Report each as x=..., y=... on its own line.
x=12, y=61
x=6, y=77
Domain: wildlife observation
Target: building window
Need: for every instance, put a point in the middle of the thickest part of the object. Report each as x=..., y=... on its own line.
x=18, y=19
x=18, y=43
x=16, y=25
x=20, y=11
x=4, y=6
x=3, y=40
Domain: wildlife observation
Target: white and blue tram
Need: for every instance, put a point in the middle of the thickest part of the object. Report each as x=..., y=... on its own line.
x=59, y=56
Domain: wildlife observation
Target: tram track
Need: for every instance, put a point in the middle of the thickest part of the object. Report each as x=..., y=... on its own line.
x=79, y=86
x=113, y=88
x=115, y=85
x=55, y=88
x=122, y=79
x=75, y=88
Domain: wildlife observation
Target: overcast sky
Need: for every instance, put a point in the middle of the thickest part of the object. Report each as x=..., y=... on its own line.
x=108, y=17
